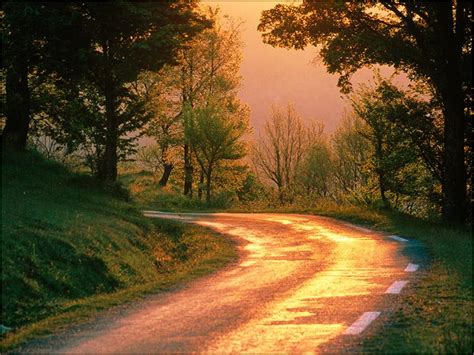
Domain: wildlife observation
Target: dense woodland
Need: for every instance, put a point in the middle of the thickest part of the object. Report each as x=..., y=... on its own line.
x=119, y=87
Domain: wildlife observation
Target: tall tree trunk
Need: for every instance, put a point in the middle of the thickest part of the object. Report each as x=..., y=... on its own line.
x=382, y=188
x=449, y=85
x=281, y=195
x=110, y=173
x=16, y=128
x=188, y=172
x=454, y=180
x=166, y=174
x=201, y=182
x=208, y=184
x=379, y=169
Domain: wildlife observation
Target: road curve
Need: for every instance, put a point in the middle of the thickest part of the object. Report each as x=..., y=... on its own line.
x=300, y=282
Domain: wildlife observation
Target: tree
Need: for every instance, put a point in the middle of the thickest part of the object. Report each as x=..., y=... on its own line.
x=316, y=170
x=150, y=157
x=279, y=153
x=74, y=117
x=156, y=89
x=430, y=41
x=391, y=150
x=351, y=154
x=23, y=33
x=110, y=45
x=126, y=39
x=394, y=161
x=207, y=69
x=214, y=132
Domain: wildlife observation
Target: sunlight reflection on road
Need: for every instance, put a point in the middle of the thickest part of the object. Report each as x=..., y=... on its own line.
x=292, y=322
x=300, y=282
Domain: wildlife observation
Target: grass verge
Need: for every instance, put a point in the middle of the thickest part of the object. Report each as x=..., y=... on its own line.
x=148, y=195
x=70, y=249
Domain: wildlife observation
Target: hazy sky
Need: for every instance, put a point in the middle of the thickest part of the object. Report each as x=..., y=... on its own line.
x=276, y=75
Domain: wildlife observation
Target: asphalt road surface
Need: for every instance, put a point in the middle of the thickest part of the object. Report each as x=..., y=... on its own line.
x=302, y=284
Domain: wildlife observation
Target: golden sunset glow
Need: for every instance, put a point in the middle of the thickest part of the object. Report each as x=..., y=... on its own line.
x=171, y=184
x=278, y=76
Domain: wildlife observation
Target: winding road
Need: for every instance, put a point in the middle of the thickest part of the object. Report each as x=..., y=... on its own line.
x=302, y=284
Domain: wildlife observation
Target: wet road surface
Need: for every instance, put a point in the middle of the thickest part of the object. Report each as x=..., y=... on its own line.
x=300, y=284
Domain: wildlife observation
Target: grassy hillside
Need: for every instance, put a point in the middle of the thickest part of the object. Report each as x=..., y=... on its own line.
x=70, y=248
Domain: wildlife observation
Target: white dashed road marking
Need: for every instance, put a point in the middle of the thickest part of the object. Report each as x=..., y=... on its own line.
x=360, y=324
x=411, y=267
x=396, y=237
x=396, y=287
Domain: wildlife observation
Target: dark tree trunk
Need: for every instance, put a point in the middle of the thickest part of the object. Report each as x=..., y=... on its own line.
x=166, y=174
x=449, y=86
x=98, y=167
x=380, y=171
x=382, y=188
x=201, y=182
x=454, y=179
x=110, y=172
x=281, y=195
x=16, y=128
x=208, y=185
x=188, y=172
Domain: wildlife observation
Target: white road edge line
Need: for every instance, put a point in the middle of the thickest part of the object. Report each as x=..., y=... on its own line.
x=360, y=324
x=396, y=287
x=396, y=237
x=411, y=267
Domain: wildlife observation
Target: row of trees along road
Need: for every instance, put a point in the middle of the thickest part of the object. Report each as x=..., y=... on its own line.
x=430, y=41
x=83, y=57
x=387, y=149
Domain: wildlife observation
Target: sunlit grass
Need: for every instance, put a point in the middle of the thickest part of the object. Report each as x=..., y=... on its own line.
x=147, y=194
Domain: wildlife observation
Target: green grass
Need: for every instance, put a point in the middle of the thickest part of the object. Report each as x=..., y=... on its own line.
x=148, y=195
x=70, y=248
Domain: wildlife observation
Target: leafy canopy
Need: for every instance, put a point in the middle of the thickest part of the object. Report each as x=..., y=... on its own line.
x=409, y=35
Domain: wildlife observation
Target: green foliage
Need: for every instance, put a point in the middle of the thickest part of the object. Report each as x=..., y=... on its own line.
x=430, y=41
x=399, y=164
x=214, y=133
x=376, y=157
x=74, y=119
x=252, y=189
x=206, y=72
x=98, y=49
x=351, y=154
x=315, y=171
x=354, y=34
x=123, y=39
x=148, y=195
